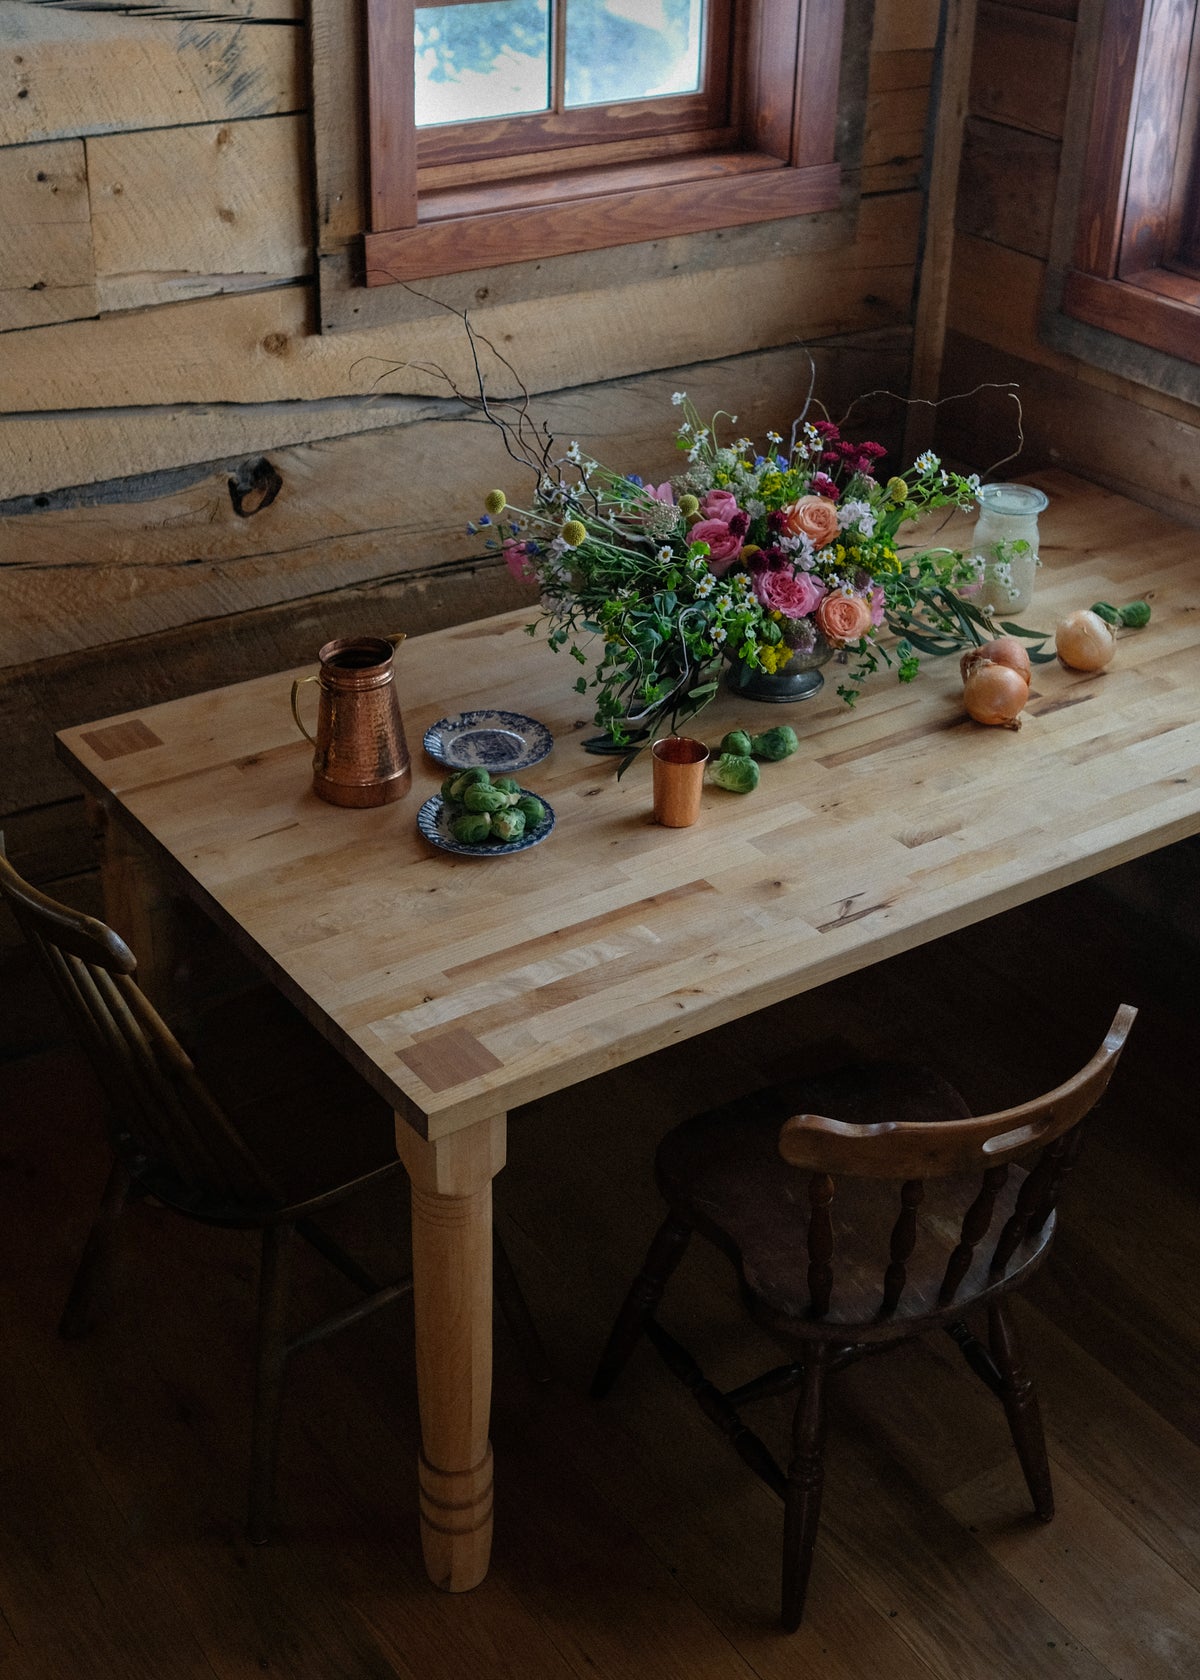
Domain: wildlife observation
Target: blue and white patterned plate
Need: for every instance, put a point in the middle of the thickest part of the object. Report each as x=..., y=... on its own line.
x=433, y=820
x=499, y=741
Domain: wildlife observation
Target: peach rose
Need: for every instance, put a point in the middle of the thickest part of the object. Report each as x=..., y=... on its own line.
x=812, y=516
x=843, y=618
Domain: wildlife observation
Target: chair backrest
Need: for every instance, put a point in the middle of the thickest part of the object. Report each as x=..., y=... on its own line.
x=1043, y=1135
x=160, y=1105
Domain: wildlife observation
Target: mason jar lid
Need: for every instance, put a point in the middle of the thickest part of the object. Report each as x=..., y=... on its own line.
x=1024, y=499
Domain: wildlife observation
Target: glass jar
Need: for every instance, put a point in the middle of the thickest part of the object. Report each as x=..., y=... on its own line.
x=1005, y=541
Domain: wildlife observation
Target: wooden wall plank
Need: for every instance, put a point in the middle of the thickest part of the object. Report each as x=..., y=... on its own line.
x=903, y=25
x=1022, y=67
x=1113, y=439
x=260, y=346
x=897, y=115
x=90, y=571
x=46, y=272
x=185, y=212
x=1006, y=186
x=70, y=73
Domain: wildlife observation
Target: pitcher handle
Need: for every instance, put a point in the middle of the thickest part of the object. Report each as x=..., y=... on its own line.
x=298, y=684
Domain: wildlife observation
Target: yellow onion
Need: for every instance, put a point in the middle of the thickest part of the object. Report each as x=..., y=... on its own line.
x=995, y=693
x=1001, y=650
x=1084, y=641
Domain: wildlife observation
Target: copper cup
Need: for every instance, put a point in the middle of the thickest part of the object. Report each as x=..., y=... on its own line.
x=678, y=777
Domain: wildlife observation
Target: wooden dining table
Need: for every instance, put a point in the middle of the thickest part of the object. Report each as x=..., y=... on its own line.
x=464, y=987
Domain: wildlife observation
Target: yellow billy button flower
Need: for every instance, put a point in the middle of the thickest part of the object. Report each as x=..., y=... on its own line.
x=897, y=489
x=573, y=533
x=750, y=548
x=495, y=502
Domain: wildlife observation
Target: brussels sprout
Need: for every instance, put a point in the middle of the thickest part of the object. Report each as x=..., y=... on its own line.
x=737, y=741
x=448, y=786
x=508, y=825
x=1133, y=617
x=775, y=744
x=468, y=778
x=479, y=797
x=506, y=784
x=532, y=810
x=472, y=828
x=736, y=772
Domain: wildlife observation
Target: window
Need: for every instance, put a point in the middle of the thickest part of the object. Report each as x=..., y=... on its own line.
x=1135, y=268
x=506, y=130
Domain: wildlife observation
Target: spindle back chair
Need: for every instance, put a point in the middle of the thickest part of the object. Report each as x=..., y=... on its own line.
x=853, y=1234
x=220, y=1162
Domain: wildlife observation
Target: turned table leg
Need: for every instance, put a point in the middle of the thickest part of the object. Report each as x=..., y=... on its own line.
x=452, y=1299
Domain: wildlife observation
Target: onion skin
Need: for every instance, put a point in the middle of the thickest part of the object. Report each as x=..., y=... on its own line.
x=1083, y=641
x=995, y=694
x=1001, y=650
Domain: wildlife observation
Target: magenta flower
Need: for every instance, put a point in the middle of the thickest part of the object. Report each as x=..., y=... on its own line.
x=661, y=493
x=719, y=504
x=723, y=546
x=794, y=594
x=517, y=560
x=877, y=605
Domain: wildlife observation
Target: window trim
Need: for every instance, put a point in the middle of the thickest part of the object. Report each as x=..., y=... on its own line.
x=1125, y=275
x=785, y=165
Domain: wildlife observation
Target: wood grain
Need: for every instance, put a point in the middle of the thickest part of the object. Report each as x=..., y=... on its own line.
x=46, y=268
x=1113, y=770
x=199, y=209
x=70, y=73
x=260, y=347
x=1021, y=68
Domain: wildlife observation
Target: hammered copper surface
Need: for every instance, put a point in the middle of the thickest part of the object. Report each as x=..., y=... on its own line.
x=361, y=755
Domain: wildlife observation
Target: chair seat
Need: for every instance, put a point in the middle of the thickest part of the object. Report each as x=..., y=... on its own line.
x=722, y=1172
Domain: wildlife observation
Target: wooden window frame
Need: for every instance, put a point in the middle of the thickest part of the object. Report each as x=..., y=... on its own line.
x=1134, y=271
x=774, y=159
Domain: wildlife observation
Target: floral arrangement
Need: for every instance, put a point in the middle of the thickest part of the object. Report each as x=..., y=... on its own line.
x=759, y=557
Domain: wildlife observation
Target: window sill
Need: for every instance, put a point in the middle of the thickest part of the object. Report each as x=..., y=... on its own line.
x=1160, y=310
x=464, y=229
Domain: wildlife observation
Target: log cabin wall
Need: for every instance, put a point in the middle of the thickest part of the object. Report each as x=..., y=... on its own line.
x=1112, y=429
x=197, y=485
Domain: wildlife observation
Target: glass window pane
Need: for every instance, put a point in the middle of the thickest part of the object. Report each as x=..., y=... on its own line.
x=490, y=59
x=632, y=49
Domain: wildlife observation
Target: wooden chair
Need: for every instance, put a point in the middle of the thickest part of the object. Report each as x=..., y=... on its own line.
x=263, y=1126
x=852, y=1235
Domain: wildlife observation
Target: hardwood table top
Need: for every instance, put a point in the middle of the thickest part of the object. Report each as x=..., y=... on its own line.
x=463, y=987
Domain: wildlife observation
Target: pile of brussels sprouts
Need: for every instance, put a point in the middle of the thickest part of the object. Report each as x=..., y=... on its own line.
x=482, y=810
x=736, y=770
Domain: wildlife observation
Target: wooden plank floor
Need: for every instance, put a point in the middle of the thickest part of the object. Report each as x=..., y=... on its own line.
x=631, y=1544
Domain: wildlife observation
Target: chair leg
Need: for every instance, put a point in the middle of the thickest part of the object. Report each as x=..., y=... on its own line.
x=78, y=1315
x=1020, y=1402
x=666, y=1251
x=274, y=1282
x=516, y=1312
x=805, y=1483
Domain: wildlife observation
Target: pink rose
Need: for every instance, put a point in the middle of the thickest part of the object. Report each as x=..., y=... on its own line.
x=719, y=504
x=843, y=618
x=517, y=561
x=723, y=546
x=812, y=516
x=794, y=594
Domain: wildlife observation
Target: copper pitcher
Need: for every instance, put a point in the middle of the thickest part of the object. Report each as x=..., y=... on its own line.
x=361, y=756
